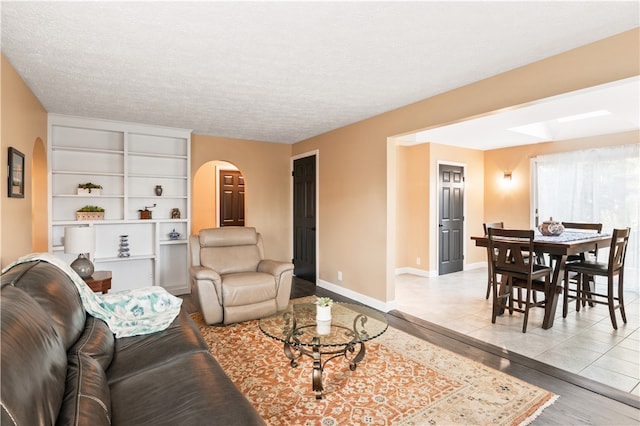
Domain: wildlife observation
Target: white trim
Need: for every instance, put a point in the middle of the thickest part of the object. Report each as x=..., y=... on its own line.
x=416, y=271
x=116, y=126
x=218, y=166
x=358, y=297
x=477, y=265
x=315, y=152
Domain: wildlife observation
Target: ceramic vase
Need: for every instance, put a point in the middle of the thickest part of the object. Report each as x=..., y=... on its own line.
x=551, y=227
x=323, y=327
x=158, y=190
x=323, y=313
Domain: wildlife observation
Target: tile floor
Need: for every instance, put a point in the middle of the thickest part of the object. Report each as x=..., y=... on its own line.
x=584, y=343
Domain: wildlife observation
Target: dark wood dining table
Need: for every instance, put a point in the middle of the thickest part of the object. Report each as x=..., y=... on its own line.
x=558, y=248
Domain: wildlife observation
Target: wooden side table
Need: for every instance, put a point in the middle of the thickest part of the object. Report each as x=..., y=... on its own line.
x=100, y=281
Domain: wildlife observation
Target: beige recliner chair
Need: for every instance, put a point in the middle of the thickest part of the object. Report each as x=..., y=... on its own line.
x=232, y=279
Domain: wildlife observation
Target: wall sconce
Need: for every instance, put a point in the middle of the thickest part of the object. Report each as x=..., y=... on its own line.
x=507, y=176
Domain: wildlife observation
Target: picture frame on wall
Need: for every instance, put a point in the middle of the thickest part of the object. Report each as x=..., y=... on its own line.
x=16, y=173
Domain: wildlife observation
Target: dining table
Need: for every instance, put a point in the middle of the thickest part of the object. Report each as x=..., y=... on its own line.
x=558, y=248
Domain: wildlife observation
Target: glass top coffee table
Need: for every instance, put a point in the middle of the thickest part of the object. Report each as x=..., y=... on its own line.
x=343, y=336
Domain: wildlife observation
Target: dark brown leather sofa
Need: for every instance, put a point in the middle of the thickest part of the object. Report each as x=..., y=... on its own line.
x=62, y=366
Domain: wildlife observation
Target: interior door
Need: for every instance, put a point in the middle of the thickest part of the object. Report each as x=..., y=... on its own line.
x=231, y=198
x=304, y=218
x=451, y=219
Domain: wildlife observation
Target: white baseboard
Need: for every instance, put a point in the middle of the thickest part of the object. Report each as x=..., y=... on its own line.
x=358, y=297
x=416, y=271
x=430, y=274
x=476, y=265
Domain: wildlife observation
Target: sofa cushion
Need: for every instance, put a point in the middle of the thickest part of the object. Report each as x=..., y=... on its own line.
x=229, y=260
x=228, y=236
x=56, y=294
x=33, y=361
x=96, y=341
x=248, y=288
x=190, y=390
x=137, y=353
x=87, y=398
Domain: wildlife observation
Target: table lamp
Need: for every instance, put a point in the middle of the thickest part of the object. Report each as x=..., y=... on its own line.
x=81, y=240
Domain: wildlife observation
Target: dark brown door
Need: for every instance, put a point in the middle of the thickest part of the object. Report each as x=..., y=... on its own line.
x=304, y=218
x=231, y=198
x=451, y=219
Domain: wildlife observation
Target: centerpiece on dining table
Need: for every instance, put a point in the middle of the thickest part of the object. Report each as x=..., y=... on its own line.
x=551, y=228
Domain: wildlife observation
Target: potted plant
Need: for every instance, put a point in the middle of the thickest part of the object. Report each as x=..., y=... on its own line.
x=89, y=188
x=90, y=213
x=323, y=308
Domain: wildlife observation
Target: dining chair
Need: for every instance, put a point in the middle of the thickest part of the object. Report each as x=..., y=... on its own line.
x=570, y=293
x=613, y=268
x=518, y=271
x=499, y=225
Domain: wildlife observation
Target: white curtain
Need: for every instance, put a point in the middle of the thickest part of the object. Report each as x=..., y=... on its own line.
x=595, y=185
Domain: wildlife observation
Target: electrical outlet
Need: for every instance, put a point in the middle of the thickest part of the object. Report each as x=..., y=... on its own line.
x=417, y=261
x=339, y=275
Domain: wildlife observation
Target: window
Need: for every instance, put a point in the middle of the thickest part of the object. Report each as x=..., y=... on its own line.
x=595, y=185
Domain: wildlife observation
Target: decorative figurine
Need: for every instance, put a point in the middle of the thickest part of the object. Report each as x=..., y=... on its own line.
x=123, y=251
x=146, y=213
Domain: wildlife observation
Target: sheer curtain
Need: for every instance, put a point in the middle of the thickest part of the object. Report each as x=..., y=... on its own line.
x=594, y=185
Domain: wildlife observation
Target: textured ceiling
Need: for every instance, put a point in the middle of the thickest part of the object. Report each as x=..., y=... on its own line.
x=280, y=71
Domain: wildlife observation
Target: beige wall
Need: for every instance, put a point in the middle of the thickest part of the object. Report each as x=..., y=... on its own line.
x=512, y=204
x=24, y=126
x=266, y=168
x=417, y=198
x=356, y=227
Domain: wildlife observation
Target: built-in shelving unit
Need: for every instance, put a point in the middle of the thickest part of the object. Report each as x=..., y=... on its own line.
x=128, y=161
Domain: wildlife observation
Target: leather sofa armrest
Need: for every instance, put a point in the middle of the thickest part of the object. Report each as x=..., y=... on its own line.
x=204, y=273
x=208, y=285
x=274, y=267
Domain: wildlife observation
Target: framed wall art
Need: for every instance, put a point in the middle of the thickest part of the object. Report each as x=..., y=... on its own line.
x=16, y=173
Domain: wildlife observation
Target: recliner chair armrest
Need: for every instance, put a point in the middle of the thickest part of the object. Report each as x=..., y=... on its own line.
x=274, y=267
x=204, y=273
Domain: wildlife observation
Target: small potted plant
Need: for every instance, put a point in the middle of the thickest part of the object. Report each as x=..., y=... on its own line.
x=323, y=308
x=89, y=188
x=90, y=213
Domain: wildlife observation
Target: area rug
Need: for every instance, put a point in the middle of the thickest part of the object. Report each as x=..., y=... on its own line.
x=402, y=380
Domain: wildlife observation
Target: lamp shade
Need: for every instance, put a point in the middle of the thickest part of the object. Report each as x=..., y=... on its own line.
x=79, y=239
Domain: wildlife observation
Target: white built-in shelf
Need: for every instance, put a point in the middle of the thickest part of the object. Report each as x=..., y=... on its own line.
x=129, y=161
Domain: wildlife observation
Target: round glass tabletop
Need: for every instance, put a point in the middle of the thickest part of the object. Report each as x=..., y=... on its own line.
x=349, y=324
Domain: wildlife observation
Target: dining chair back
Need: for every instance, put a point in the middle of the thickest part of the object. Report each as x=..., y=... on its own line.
x=485, y=226
x=612, y=269
x=570, y=283
x=511, y=260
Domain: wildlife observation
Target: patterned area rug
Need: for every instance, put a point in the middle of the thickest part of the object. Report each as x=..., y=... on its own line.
x=401, y=381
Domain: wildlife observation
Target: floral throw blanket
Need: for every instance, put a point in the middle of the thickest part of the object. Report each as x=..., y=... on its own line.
x=127, y=313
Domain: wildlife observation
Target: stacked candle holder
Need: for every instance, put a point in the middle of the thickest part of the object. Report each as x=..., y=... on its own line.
x=123, y=251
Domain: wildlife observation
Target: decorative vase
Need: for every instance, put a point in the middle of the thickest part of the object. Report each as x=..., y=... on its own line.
x=123, y=251
x=551, y=227
x=323, y=327
x=158, y=190
x=323, y=313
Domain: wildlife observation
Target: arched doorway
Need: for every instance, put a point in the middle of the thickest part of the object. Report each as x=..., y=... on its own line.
x=208, y=198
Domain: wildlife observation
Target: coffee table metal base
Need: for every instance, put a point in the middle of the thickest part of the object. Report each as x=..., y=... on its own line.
x=294, y=350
